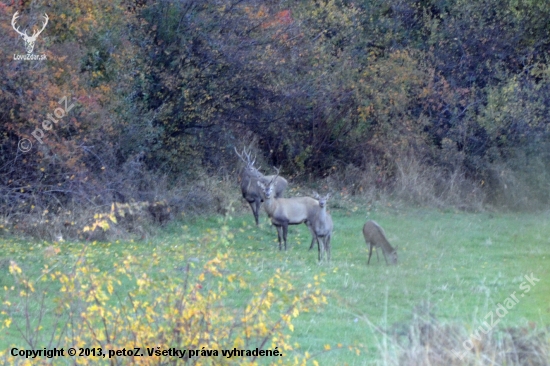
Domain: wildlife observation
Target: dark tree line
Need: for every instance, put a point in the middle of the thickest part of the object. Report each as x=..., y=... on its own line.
x=170, y=87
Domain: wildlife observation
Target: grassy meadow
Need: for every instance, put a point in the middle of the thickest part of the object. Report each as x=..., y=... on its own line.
x=454, y=266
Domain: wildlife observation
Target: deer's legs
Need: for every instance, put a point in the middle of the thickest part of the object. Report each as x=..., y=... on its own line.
x=319, y=248
x=327, y=247
x=285, y=232
x=257, y=212
x=313, y=236
x=279, y=234
x=255, y=207
x=370, y=253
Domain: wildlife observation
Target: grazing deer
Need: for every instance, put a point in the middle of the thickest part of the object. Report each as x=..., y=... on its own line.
x=249, y=176
x=287, y=211
x=322, y=227
x=375, y=236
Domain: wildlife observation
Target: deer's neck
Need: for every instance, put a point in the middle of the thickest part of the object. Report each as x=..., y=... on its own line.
x=270, y=205
x=386, y=246
x=322, y=218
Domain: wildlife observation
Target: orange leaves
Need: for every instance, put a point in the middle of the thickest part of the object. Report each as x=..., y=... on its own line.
x=282, y=18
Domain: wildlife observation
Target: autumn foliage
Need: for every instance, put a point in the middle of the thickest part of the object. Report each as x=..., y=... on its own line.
x=458, y=91
x=134, y=303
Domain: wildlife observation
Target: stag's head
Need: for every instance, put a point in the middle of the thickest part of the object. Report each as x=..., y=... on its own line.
x=269, y=189
x=29, y=40
x=247, y=159
x=393, y=256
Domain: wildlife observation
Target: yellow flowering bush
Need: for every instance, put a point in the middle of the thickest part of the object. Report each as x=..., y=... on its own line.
x=134, y=312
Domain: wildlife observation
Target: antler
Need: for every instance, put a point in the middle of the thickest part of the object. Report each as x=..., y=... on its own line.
x=13, y=19
x=248, y=161
x=248, y=157
x=241, y=155
x=34, y=34
x=275, y=177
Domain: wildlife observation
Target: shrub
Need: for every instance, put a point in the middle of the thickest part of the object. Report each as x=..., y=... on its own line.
x=135, y=303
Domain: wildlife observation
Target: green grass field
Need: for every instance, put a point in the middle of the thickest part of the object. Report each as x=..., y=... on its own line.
x=460, y=265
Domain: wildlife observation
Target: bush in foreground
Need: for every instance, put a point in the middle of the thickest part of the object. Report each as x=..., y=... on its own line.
x=137, y=303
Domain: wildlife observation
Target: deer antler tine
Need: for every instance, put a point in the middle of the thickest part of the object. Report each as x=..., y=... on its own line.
x=275, y=177
x=237, y=152
x=13, y=19
x=43, y=26
x=249, y=158
x=244, y=156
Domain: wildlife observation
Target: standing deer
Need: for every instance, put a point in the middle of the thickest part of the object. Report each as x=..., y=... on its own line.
x=322, y=227
x=375, y=236
x=249, y=176
x=287, y=211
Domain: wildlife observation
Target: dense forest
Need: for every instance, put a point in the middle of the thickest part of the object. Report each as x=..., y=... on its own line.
x=443, y=102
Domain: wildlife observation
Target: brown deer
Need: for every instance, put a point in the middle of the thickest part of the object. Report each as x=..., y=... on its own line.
x=375, y=236
x=322, y=227
x=249, y=176
x=287, y=211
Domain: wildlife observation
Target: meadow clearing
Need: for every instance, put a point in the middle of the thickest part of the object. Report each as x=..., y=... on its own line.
x=454, y=268
x=133, y=133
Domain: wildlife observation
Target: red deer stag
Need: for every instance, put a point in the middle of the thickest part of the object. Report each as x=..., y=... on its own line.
x=249, y=176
